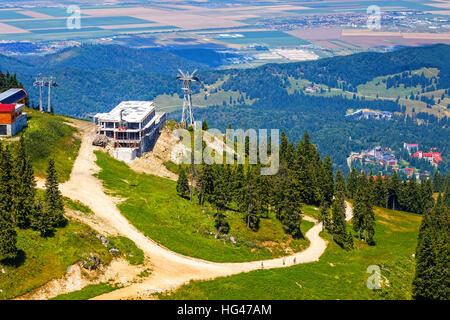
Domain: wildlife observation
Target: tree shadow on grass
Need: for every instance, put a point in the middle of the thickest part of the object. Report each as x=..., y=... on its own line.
x=17, y=261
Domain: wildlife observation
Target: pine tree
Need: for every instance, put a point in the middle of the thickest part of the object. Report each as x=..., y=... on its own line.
x=379, y=191
x=222, y=187
x=8, y=238
x=328, y=188
x=251, y=200
x=393, y=190
x=339, y=225
x=426, y=196
x=205, y=126
x=352, y=183
x=238, y=184
x=6, y=183
x=358, y=210
x=324, y=215
x=183, y=184
x=283, y=147
x=8, y=235
x=369, y=223
x=432, y=279
x=40, y=220
x=53, y=207
x=220, y=222
x=24, y=187
x=340, y=185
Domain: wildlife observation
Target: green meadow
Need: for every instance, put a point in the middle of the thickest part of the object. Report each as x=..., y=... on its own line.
x=339, y=274
x=43, y=259
x=49, y=136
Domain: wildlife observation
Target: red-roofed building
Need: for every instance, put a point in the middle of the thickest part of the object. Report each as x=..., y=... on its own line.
x=432, y=157
x=12, y=120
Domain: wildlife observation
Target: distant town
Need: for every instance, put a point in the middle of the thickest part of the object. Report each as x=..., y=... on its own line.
x=383, y=159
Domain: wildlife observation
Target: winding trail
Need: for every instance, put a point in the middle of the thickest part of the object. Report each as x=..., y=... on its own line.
x=169, y=269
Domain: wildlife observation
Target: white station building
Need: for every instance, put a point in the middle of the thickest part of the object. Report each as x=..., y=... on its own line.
x=132, y=126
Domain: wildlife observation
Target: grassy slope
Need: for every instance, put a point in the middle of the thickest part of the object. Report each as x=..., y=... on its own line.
x=153, y=206
x=338, y=274
x=87, y=292
x=42, y=260
x=49, y=136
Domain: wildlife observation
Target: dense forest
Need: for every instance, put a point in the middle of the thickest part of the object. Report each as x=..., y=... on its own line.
x=303, y=177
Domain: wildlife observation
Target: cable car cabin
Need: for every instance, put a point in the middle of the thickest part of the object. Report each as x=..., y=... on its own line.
x=12, y=119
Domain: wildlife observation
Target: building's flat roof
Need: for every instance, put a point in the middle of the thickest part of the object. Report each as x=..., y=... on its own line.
x=133, y=111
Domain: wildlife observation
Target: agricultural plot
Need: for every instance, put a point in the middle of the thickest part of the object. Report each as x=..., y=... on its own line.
x=85, y=22
x=270, y=38
x=53, y=12
x=11, y=14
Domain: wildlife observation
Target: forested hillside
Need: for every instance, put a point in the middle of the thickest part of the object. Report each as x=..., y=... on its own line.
x=96, y=78
x=98, y=57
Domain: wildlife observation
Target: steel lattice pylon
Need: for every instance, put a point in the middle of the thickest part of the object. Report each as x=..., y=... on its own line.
x=187, y=79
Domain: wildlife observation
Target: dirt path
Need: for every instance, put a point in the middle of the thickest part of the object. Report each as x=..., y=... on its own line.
x=170, y=269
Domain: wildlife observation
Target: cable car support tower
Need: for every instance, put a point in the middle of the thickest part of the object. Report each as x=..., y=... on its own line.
x=187, y=80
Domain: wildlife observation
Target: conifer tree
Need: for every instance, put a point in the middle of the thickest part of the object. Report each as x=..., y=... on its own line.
x=8, y=238
x=205, y=126
x=324, y=215
x=283, y=147
x=238, y=184
x=432, y=279
x=220, y=223
x=6, y=183
x=8, y=235
x=379, y=191
x=426, y=196
x=328, y=189
x=393, y=190
x=183, y=184
x=52, y=214
x=369, y=223
x=24, y=187
x=251, y=201
x=340, y=185
x=339, y=225
x=358, y=210
x=40, y=219
x=222, y=193
x=352, y=183
x=338, y=228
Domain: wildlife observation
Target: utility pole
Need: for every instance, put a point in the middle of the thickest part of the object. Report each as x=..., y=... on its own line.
x=187, y=80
